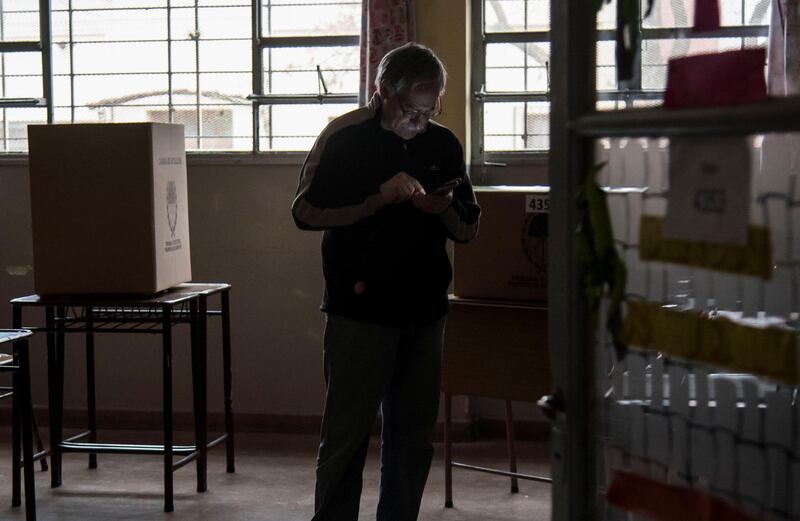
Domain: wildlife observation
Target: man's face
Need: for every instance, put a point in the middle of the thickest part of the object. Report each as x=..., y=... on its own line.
x=406, y=113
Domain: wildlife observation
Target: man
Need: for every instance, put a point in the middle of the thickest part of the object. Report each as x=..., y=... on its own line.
x=389, y=187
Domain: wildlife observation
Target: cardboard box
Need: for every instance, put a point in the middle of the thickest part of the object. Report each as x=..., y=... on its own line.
x=496, y=350
x=110, y=208
x=508, y=258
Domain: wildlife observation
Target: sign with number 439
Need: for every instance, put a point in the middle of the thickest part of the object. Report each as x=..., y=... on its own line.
x=709, y=189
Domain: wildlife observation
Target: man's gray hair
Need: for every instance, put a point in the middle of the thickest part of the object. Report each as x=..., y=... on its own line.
x=410, y=64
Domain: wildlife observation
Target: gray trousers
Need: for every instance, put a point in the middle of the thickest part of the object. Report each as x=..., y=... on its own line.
x=366, y=366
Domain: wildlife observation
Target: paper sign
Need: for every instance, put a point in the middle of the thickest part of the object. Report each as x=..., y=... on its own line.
x=709, y=190
x=537, y=203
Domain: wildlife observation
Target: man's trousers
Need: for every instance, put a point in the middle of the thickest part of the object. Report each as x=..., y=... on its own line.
x=367, y=366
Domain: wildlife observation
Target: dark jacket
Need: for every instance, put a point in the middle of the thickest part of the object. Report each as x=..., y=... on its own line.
x=395, y=252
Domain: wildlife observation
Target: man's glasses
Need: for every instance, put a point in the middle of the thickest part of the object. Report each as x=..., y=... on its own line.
x=412, y=114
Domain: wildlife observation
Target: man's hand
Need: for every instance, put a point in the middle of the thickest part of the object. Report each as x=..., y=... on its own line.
x=400, y=188
x=431, y=203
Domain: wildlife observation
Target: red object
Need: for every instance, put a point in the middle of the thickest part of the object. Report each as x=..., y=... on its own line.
x=659, y=501
x=706, y=15
x=708, y=80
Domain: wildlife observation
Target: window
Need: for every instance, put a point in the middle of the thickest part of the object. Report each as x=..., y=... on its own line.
x=511, y=63
x=308, y=58
x=190, y=62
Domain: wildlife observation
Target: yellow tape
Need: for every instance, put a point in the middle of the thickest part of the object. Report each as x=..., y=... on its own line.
x=770, y=351
x=755, y=258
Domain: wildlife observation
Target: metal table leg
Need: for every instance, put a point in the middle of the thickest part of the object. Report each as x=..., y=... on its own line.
x=52, y=397
x=16, y=478
x=91, y=400
x=167, y=383
x=22, y=395
x=227, y=379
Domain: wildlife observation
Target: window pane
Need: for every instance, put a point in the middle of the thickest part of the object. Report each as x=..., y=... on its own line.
x=15, y=63
x=184, y=56
x=21, y=26
x=671, y=13
x=228, y=87
x=102, y=4
x=294, y=70
x=22, y=87
x=62, y=90
x=607, y=16
x=757, y=12
x=311, y=17
x=120, y=57
x=680, y=13
x=296, y=127
x=227, y=22
x=218, y=125
x=232, y=56
x=14, y=127
x=517, y=67
x=516, y=15
x=516, y=126
x=118, y=25
x=117, y=89
x=606, y=66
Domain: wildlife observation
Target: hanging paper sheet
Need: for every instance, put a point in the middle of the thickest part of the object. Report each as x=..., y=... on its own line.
x=754, y=258
x=768, y=351
x=709, y=189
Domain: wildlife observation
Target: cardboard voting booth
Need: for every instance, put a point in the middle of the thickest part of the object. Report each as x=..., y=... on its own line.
x=110, y=208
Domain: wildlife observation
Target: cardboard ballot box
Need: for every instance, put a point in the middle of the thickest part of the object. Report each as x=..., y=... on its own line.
x=508, y=258
x=110, y=208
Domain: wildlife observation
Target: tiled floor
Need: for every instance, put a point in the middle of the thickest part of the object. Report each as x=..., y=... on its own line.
x=274, y=481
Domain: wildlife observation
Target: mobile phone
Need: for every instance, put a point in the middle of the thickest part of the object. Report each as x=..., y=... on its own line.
x=447, y=186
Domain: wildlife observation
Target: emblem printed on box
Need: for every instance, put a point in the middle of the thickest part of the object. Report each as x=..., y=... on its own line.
x=172, y=216
x=534, y=244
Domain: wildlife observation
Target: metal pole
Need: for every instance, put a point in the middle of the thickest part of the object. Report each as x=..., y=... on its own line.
x=573, y=27
x=46, y=39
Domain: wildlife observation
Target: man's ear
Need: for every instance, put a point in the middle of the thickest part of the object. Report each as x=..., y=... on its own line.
x=383, y=92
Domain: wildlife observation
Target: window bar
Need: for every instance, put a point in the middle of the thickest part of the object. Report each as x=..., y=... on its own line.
x=196, y=38
x=525, y=64
x=46, y=39
x=291, y=99
x=71, y=45
x=3, y=73
x=170, y=100
x=258, y=68
x=305, y=41
x=269, y=73
x=477, y=83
